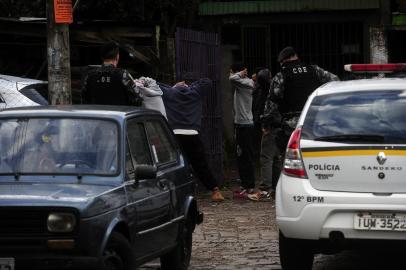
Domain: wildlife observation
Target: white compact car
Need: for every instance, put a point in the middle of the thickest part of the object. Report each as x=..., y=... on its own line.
x=20, y=92
x=344, y=175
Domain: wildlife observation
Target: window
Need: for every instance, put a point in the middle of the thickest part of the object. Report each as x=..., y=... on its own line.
x=10, y=130
x=161, y=146
x=129, y=166
x=59, y=146
x=378, y=113
x=138, y=143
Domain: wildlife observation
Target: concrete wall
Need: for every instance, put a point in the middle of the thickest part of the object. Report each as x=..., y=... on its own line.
x=378, y=45
x=228, y=122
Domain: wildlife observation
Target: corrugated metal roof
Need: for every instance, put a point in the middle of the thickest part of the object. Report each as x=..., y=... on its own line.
x=254, y=7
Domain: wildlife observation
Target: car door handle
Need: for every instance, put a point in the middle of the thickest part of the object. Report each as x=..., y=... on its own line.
x=162, y=183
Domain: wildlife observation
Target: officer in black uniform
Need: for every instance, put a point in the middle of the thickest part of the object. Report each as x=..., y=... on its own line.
x=109, y=85
x=291, y=87
x=287, y=96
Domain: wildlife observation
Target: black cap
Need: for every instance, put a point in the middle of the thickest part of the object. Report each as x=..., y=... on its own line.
x=109, y=50
x=286, y=53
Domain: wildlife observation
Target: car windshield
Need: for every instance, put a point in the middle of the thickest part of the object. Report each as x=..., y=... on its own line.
x=358, y=117
x=58, y=146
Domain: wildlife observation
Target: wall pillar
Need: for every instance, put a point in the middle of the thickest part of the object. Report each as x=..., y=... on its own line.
x=378, y=45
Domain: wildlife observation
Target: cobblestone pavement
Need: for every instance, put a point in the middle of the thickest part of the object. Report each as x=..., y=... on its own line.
x=240, y=234
x=236, y=234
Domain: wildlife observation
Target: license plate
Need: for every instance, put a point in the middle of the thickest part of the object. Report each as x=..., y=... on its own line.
x=6, y=263
x=380, y=222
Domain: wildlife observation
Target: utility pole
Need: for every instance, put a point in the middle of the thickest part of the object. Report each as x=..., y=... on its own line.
x=59, y=73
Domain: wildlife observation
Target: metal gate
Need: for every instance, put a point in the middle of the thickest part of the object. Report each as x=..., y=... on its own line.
x=396, y=46
x=198, y=55
x=329, y=45
x=255, y=46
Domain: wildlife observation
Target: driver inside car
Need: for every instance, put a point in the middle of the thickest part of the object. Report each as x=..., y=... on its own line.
x=41, y=158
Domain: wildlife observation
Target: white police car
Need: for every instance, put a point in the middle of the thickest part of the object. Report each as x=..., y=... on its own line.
x=344, y=175
x=20, y=92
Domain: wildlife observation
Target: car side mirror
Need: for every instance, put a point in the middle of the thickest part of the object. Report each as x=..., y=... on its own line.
x=145, y=172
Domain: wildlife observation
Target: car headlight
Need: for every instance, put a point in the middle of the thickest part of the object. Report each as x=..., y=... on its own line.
x=61, y=222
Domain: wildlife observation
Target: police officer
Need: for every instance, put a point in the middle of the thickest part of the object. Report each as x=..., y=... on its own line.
x=296, y=81
x=291, y=87
x=287, y=96
x=109, y=85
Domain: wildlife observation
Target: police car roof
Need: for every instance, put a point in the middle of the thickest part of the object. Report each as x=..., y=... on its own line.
x=97, y=111
x=15, y=79
x=362, y=85
x=17, y=83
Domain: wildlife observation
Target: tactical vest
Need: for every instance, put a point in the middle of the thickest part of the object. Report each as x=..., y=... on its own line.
x=300, y=80
x=105, y=86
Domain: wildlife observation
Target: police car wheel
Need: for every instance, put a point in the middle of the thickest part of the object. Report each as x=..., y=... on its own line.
x=295, y=253
x=179, y=257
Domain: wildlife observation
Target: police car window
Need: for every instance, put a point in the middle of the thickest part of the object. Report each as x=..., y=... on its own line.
x=138, y=143
x=364, y=113
x=162, y=149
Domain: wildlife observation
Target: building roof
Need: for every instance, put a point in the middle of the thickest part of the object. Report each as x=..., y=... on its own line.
x=255, y=7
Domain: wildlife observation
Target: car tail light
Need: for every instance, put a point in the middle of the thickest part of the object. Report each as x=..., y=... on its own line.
x=293, y=165
x=374, y=68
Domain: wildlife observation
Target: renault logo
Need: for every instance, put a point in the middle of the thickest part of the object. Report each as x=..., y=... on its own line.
x=381, y=158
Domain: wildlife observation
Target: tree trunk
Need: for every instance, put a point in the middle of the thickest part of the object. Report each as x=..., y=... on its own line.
x=59, y=74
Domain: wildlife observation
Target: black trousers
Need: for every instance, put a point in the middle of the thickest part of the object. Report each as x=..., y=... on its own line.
x=257, y=141
x=193, y=148
x=271, y=161
x=244, y=136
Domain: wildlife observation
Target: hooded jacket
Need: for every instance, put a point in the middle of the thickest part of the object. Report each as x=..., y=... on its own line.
x=152, y=94
x=243, y=88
